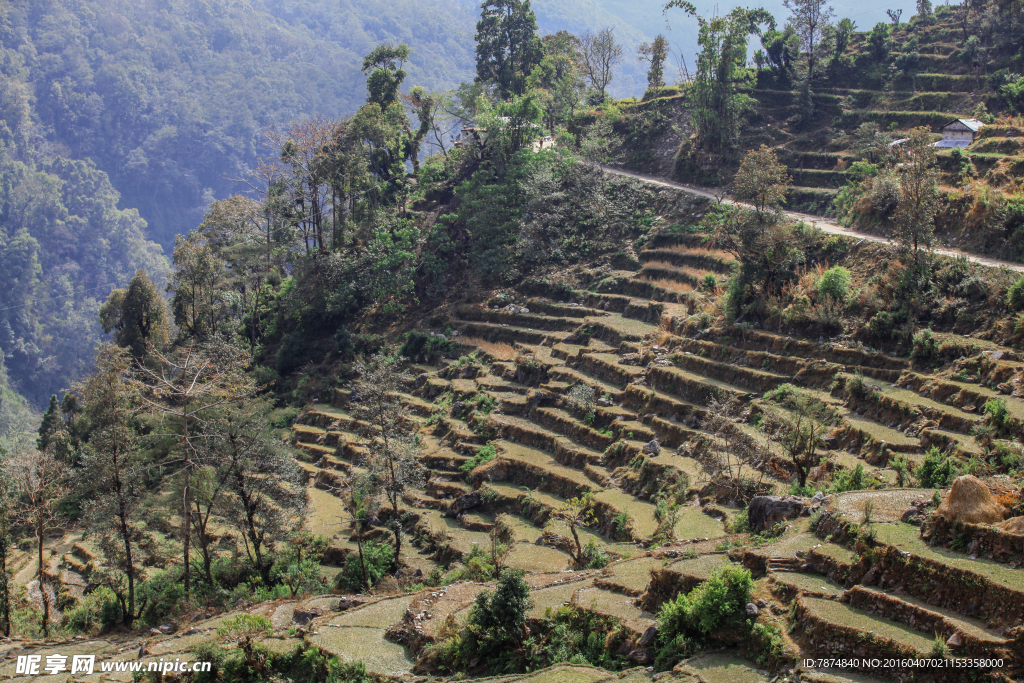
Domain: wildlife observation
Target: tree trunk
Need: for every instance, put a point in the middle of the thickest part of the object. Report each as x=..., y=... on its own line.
x=186, y=540
x=42, y=584
x=129, y=614
x=362, y=560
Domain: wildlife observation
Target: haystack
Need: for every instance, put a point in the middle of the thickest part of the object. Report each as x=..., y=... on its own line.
x=1014, y=525
x=970, y=502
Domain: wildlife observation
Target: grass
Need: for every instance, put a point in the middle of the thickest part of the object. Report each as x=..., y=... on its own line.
x=699, y=567
x=907, y=537
x=693, y=523
x=361, y=643
x=537, y=558
x=889, y=505
x=499, y=351
x=841, y=614
x=723, y=668
x=668, y=285
x=381, y=614
x=635, y=574
x=553, y=597
x=879, y=431
x=810, y=583
x=566, y=673
x=641, y=513
x=616, y=605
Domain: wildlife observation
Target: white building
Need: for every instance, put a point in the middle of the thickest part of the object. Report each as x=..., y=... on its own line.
x=959, y=133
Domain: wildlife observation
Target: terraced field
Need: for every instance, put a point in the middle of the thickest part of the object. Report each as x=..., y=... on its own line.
x=599, y=393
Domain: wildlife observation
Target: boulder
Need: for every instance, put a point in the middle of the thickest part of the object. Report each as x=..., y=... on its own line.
x=649, y=635
x=652, y=447
x=970, y=502
x=303, y=616
x=466, y=502
x=752, y=609
x=767, y=511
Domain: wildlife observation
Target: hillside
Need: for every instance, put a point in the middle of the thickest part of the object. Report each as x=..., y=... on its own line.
x=500, y=410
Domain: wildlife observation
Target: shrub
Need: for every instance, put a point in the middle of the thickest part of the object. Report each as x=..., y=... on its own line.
x=925, y=348
x=716, y=604
x=595, y=556
x=94, y=612
x=709, y=282
x=1015, y=295
x=768, y=641
x=882, y=326
x=835, y=282
x=849, y=480
x=885, y=193
x=936, y=471
x=498, y=619
x=996, y=407
x=245, y=625
x=486, y=454
x=378, y=557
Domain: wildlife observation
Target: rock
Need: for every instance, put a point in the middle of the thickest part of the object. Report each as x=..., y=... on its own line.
x=762, y=603
x=303, y=617
x=996, y=355
x=639, y=656
x=767, y=511
x=457, y=408
x=466, y=502
x=831, y=442
x=193, y=632
x=908, y=514
x=954, y=640
x=818, y=497
x=155, y=632
x=649, y=635
x=349, y=603
x=166, y=628
x=652, y=447
x=752, y=609
x=604, y=402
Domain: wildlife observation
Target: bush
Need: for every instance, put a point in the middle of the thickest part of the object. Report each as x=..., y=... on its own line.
x=996, y=407
x=1015, y=295
x=835, y=282
x=925, y=349
x=498, y=620
x=245, y=625
x=849, y=480
x=486, y=454
x=97, y=611
x=936, y=471
x=378, y=557
x=718, y=603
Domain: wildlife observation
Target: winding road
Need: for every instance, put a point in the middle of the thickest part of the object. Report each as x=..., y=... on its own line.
x=831, y=228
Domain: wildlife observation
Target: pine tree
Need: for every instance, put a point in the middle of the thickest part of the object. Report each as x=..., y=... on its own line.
x=507, y=46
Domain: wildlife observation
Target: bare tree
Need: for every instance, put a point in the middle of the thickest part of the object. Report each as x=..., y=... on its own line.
x=576, y=513
x=734, y=461
x=39, y=481
x=360, y=502
x=599, y=55
x=182, y=390
x=5, y=551
x=391, y=461
x=894, y=16
x=114, y=473
x=264, y=497
x=503, y=538
x=810, y=17
x=799, y=430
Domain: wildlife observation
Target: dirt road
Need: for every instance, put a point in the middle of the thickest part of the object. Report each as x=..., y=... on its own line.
x=825, y=225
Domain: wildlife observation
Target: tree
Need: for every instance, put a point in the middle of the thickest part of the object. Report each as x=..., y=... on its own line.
x=265, y=498
x=197, y=281
x=391, y=460
x=840, y=35
x=137, y=316
x=599, y=55
x=799, y=431
x=733, y=461
x=39, y=482
x=763, y=182
x=810, y=18
x=6, y=546
x=114, y=473
x=359, y=500
x=576, y=513
x=720, y=71
x=385, y=74
x=918, y=202
x=503, y=538
x=557, y=81
x=184, y=389
x=498, y=620
x=654, y=53
x=507, y=46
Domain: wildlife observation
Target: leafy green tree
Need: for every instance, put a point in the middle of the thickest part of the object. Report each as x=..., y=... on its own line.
x=497, y=619
x=507, y=46
x=556, y=81
x=718, y=101
x=385, y=74
x=655, y=53
x=763, y=181
x=781, y=50
x=919, y=193
x=137, y=316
